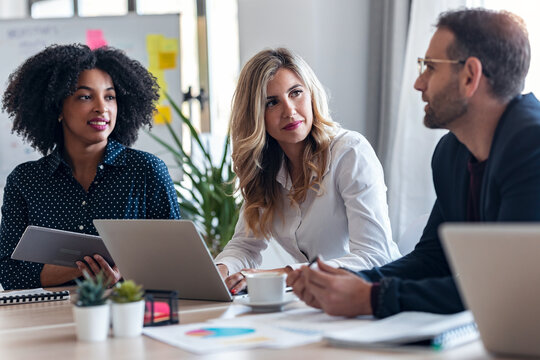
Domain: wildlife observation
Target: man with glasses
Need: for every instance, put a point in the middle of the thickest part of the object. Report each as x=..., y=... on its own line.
x=487, y=168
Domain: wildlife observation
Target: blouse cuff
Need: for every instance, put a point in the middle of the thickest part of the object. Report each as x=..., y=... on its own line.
x=233, y=264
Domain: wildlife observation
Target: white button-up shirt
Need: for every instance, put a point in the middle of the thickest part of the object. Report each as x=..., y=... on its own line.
x=347, y=224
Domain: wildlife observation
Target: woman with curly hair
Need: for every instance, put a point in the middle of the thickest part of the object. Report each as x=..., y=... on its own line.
x=81, y=109
x=313, y=187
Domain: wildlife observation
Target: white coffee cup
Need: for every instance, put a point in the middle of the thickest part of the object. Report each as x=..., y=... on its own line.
x=266, y=287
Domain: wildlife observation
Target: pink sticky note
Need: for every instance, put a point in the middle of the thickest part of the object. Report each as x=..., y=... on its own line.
x=161, y=312
x=95, y=39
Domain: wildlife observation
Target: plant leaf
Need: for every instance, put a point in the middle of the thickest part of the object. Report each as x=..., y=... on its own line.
x=207, y=194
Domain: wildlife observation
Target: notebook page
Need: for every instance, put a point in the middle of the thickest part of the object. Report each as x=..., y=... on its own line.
x=5, y=294
x=401, y=328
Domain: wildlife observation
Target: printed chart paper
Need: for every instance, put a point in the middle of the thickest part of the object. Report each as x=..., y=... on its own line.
x=209, y=337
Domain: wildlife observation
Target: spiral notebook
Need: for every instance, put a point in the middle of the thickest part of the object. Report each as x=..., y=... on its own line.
x=31, y=296
x=410, y=329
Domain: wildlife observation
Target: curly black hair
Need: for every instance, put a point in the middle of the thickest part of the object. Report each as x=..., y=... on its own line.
x=37, y=89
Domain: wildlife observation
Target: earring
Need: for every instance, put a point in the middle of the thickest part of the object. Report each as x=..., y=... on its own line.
x=60, y=118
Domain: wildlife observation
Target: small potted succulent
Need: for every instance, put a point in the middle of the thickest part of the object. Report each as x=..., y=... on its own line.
x=91, y=310
x=127, y=309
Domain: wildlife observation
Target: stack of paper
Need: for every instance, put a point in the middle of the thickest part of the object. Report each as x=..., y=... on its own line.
x=410, y=328
x=297, y=327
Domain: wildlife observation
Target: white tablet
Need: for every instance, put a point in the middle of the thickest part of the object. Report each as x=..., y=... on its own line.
x=58, y=247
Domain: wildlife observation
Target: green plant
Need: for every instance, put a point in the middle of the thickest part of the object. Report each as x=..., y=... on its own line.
x=208, y=198
x=91, y=290
x=126, y=292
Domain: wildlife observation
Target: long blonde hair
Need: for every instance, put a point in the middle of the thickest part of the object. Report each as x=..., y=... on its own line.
x=257, y=156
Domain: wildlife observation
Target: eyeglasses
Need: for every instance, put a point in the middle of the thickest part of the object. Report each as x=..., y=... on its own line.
x=422, y=63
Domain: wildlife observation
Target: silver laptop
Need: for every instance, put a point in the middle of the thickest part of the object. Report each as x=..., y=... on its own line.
x=497, y=269
x=164, y=255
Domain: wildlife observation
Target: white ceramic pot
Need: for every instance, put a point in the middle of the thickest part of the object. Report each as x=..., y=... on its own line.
x=92, y=322
x=128, y=318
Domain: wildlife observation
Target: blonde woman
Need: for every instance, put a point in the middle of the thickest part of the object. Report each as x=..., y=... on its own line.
x=311, y=186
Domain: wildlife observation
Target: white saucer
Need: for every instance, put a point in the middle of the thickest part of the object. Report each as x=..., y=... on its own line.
x=268, y=306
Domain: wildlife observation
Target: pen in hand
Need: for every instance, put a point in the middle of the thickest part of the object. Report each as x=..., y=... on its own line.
x=314, y=261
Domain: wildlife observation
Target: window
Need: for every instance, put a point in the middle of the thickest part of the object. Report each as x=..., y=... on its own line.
x=10, y=9
x=52, y=9
x=102, y=7
x=163, y=6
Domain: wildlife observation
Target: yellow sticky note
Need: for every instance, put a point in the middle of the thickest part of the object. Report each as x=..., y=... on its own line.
x=153, y=47
x=167, y=60
x=160, y=80
x=156, y=71
x=162, y=54
x=169, y=45
x=153, y=60
x=163, y=115
x=154, y=43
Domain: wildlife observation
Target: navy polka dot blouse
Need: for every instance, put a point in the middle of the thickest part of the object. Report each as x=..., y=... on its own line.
x=129, y=184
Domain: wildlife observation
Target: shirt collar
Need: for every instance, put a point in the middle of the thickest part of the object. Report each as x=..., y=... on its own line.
x=282, y=176
x=114, y=156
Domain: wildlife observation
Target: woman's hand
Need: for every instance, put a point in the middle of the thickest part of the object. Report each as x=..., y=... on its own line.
x=52, y=275
x=237, y=282
x=96, y=264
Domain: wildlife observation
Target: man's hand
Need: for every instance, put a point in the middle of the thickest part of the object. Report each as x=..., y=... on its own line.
x=336, y=291
x=297, y=281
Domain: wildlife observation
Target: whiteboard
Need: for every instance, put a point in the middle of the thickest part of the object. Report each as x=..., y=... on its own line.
x=20, y=39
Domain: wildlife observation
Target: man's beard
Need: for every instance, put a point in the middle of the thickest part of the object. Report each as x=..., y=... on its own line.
x=445, y=107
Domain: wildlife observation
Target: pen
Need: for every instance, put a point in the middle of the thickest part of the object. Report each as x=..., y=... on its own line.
x=314, y=261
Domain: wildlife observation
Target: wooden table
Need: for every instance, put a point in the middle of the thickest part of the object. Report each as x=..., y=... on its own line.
x=47, y=331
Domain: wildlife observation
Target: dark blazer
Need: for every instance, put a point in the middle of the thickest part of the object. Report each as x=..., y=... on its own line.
x=510, y=191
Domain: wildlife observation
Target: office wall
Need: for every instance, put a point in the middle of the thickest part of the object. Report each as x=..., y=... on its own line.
x=340, y=39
